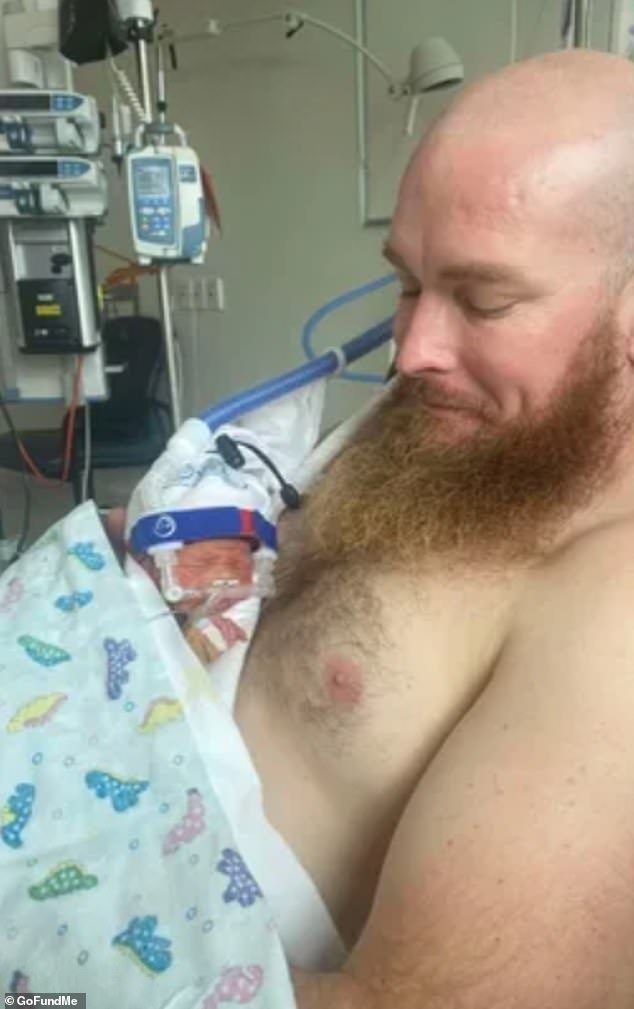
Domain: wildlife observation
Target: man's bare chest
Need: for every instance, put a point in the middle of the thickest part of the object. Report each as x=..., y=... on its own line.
x=370, y=670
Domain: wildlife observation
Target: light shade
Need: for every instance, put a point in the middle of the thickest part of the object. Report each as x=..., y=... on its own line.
x=433, y=64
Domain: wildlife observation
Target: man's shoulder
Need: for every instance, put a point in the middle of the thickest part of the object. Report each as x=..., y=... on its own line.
x=601, y=555
x=569, y=646
x=580, y=601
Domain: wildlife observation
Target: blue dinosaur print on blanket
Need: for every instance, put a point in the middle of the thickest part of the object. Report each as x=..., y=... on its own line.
x=140, y=942
x=122, y=794
x=242, y=886
x=74, y=601
x=120, y=655
x=16, y=814
x=87, y=555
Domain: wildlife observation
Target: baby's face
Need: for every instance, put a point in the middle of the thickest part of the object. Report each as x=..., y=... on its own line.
x=202, y=564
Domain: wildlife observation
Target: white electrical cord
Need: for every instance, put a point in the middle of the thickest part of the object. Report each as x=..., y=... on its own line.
x=128, y=90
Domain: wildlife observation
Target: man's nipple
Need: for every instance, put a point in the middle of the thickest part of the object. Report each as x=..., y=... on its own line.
x=344, y=681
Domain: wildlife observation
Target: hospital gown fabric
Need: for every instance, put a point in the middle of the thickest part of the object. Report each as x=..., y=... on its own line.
x=119, y=874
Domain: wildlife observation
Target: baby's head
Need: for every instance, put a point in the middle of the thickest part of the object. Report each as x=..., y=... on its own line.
x=191, y=492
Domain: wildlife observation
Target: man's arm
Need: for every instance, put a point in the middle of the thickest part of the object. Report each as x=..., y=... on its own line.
x=510, y=881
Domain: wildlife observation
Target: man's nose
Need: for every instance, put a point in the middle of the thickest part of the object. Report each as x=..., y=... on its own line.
x=428, y=340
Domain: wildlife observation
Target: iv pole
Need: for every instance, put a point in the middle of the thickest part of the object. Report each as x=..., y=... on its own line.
x=140, y=32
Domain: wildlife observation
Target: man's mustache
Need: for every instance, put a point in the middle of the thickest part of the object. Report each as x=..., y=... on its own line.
x=423, y=393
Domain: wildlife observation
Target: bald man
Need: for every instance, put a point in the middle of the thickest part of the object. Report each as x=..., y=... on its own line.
x=440, y=702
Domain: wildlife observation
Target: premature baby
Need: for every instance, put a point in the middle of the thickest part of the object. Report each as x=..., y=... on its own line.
x=202, y=522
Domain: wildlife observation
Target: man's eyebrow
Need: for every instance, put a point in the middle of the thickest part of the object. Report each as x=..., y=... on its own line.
x=460, y=273
x=481, y=273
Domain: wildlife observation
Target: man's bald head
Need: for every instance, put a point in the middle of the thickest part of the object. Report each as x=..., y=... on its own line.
x=557, y=128
x=566, y=94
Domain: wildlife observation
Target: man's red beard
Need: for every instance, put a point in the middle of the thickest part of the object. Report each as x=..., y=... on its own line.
x=401, y=493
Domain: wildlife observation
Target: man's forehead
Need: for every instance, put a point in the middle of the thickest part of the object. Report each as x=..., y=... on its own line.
x=450, y=191
x=482, y=218
x=458, y=208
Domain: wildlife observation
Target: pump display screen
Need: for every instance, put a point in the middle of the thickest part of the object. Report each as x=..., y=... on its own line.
x=30, y=101
x=153, y=180
x=10, y=167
